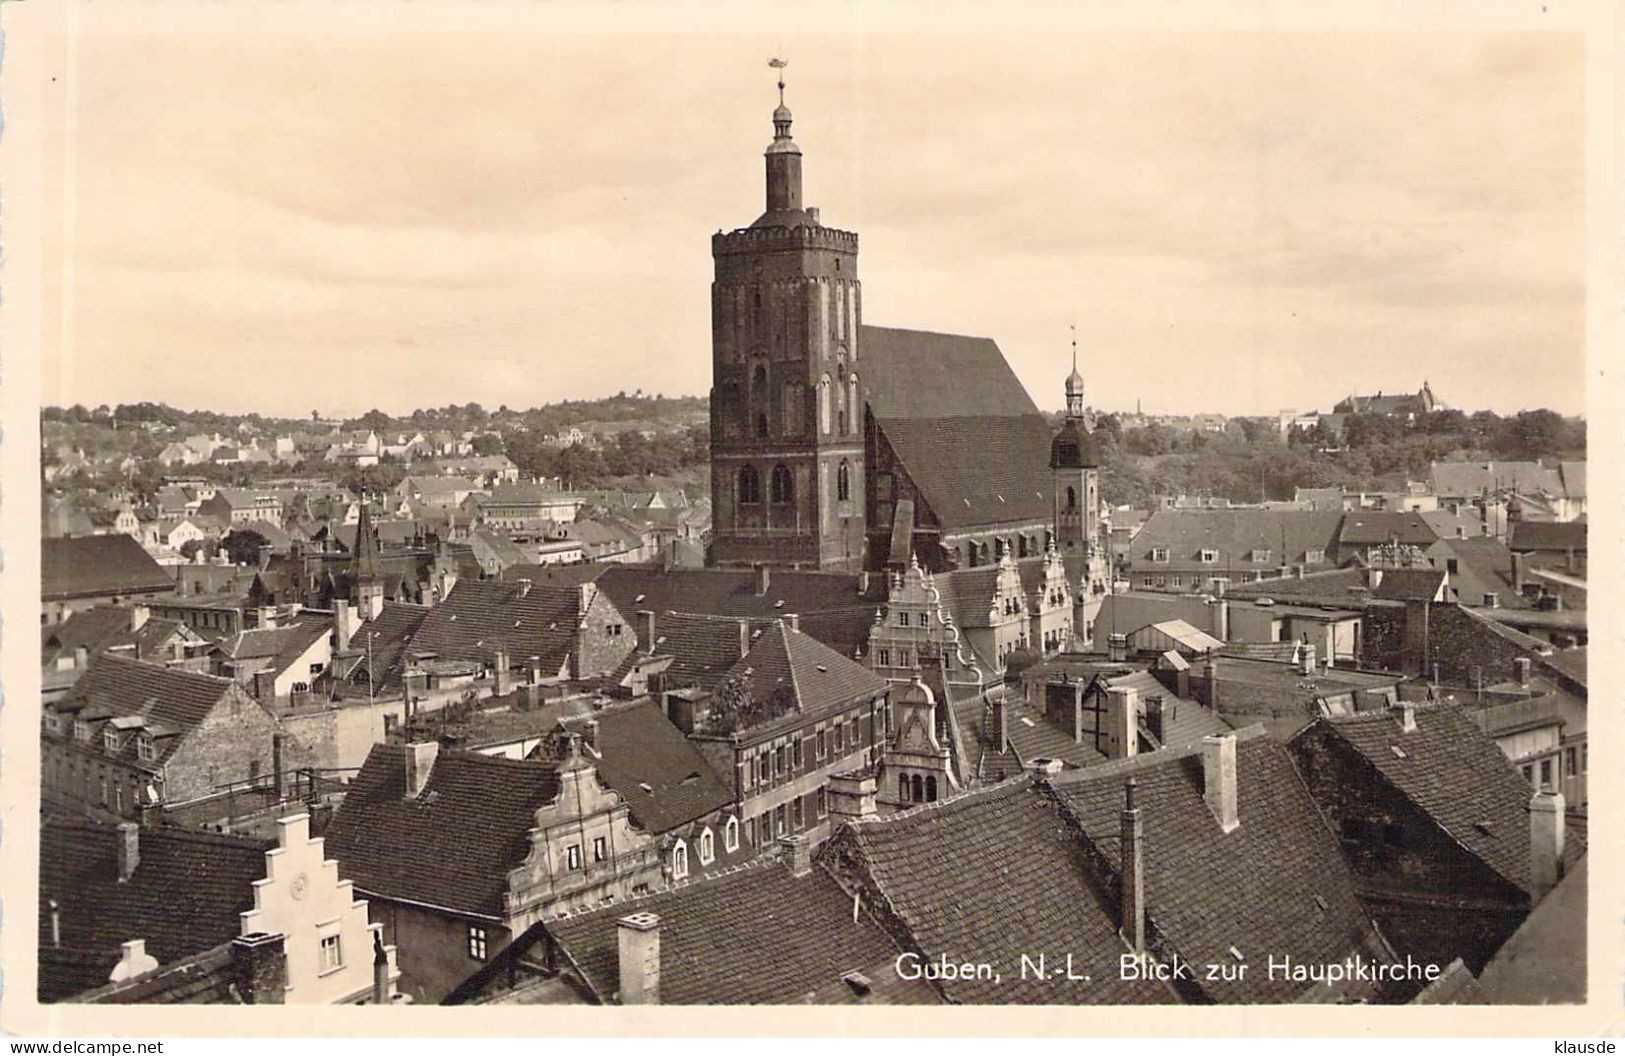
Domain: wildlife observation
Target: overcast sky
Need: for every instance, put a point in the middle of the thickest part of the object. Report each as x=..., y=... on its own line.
x=1237, y=223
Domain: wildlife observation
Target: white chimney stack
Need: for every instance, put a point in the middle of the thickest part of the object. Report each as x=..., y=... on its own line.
x=638, y=944
x=129, y=849
x=420, y=757
x=1219, y=779
x=1123, y=725
x=1546, y=837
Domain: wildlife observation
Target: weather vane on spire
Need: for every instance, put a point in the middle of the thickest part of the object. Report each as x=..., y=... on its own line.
x=1074, y=344
x=779, y=64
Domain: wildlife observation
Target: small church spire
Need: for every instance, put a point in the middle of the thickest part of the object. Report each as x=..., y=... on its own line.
x=783, y=156
x=1074, y=382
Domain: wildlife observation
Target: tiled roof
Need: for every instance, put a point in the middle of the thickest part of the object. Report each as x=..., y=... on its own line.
x=663, y=778
x=98, y=564
x=977, y=469
x=1375, y=527
x=1236, y=535
x=1276, y=886
x=1471, y=479
x=453, y=845
x=1340, y=586
x=702, y=648
x=88, y=628
x=479, y=617
x=168, y=697
x=282, y=645
x=788, y=671
x=1406, y=584
x=1454, y=774
x=183, y=898
x=987, y=877
x=757, y=935
x=1544, y=962
x=1548, y=535
x=385, y=638
x=1570, y=663
x=206, y=978
x=919, y=374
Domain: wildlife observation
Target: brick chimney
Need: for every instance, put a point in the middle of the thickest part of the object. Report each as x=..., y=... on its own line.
x=503, y=675
x=1117, y=648
x=1304, y=656
x=1492, y=599
x=796, y=854
x=762, y=579
x=1219, y=779
x=1122, y=721
x=260, y=966
x=1132, y=868
x=1001, y=726
x=129, y=849
x=419, y=760
x=139, y=615
x=646, y=630
x=637, y=938
x=792, y=620
x=1546, y=837
x=1407, y=715
x=81, y=658
x=1154, y=717
x=1520, y=670
x=1211, y=671
x=265, y=686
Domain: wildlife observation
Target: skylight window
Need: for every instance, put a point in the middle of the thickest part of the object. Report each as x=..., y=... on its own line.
x=1399, y=753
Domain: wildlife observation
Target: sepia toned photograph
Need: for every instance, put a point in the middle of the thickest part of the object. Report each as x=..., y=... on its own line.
x=821, y=517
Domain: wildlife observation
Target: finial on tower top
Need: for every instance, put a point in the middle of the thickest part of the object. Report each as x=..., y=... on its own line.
x=779, y=64
x=1074, y=344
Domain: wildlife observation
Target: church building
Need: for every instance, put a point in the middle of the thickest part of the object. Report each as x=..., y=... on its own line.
x=841, y=446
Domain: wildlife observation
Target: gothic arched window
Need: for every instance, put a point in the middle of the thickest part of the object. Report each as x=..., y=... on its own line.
x=761, y=425
x=1071, y=498
x=750, y=486
x=902, y=787
x=916, y=786
x=843, y=482
x=930, y=790
x=781, y=489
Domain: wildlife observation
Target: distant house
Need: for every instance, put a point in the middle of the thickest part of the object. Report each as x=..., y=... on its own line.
x=133, y=736
x=432, y=492
x=522, y=506
x=78, y=573
x=1206, y=551
x=274, y=662
x=1408, y=406
x=237, y=506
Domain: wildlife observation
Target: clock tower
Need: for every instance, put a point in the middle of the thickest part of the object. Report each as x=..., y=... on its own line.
x=786, y=410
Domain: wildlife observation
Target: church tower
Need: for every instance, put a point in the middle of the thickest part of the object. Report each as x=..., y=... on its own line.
x=1075, y=460
x=366, y=573
x=786, y=413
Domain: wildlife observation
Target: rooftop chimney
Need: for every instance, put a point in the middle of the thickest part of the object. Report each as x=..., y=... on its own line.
x=646, y=630
x=502, y=674
x=56, y=923
x=792, y=620
x=1546, y=838
x=589, y=734
x=763, y=579
x=380, y=969
x=1155, y=717
x=81, y=657
x=133, y=960
x=1520, y=668
x=1132, y=867
x=638, y=943
x=420, y=757
x=1219, y=779
x=1492, y=599
x=797, y=854
x=1407, y=715
x=265, y=686
x=1211, y=671
x=260, y=964
x=524, y=586
x=129, y=849
x=1001, y=726
x=1304, y=654
x=1122, y=721
x=1117, y=648
x=139, y=615
x=744, y=638
x=852, y=795
x=344, y=624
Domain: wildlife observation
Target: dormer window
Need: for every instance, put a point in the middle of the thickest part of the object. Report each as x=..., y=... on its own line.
x=145, y=750
x=679, y=861
x=1314, y=557
x=81, y=730
x=708, y=852
x=1262, y=556
x=110, y=739
x=730, y=835
x=1210, y=557
x=1159, y=554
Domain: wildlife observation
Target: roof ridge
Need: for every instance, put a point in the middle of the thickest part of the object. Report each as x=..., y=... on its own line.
x=1147, y=760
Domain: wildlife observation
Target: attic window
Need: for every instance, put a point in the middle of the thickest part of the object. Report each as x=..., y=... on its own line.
x=1484, y=827
x=1027, y=722
x=454, y=617
x=637, y=600
x=1321, y=902
x=1399, y=753
x=823, y=669
x=858, y=983
x=646, y=787
x=1237, y=954
x=779, y=604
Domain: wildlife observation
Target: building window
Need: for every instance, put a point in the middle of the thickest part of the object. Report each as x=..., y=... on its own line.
x=761, y=425
x=782, y=492
x=599, y=850
x=730, y=835
x=1545, y=773
x=81, y=730
x=796, y=761
x=1176, y=581
x=572, y=856
x=679, y=861
x=823, y=803
x=902, y=619
x=1570, y=761
x=843, y=482
x=821, y=744
x=332, y=954
x=930, y=789
x=477, y=947
x=885, y=657
x=144, y=748
x=707, y=848
x=110, y=739
x=780, y=822
x=902, y=787
x=750, y=486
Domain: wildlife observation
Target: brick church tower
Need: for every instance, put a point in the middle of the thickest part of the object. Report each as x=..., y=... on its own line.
x=1075, y=460
x=787, y=450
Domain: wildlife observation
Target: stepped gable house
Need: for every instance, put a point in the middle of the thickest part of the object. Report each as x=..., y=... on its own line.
x=836, y=445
